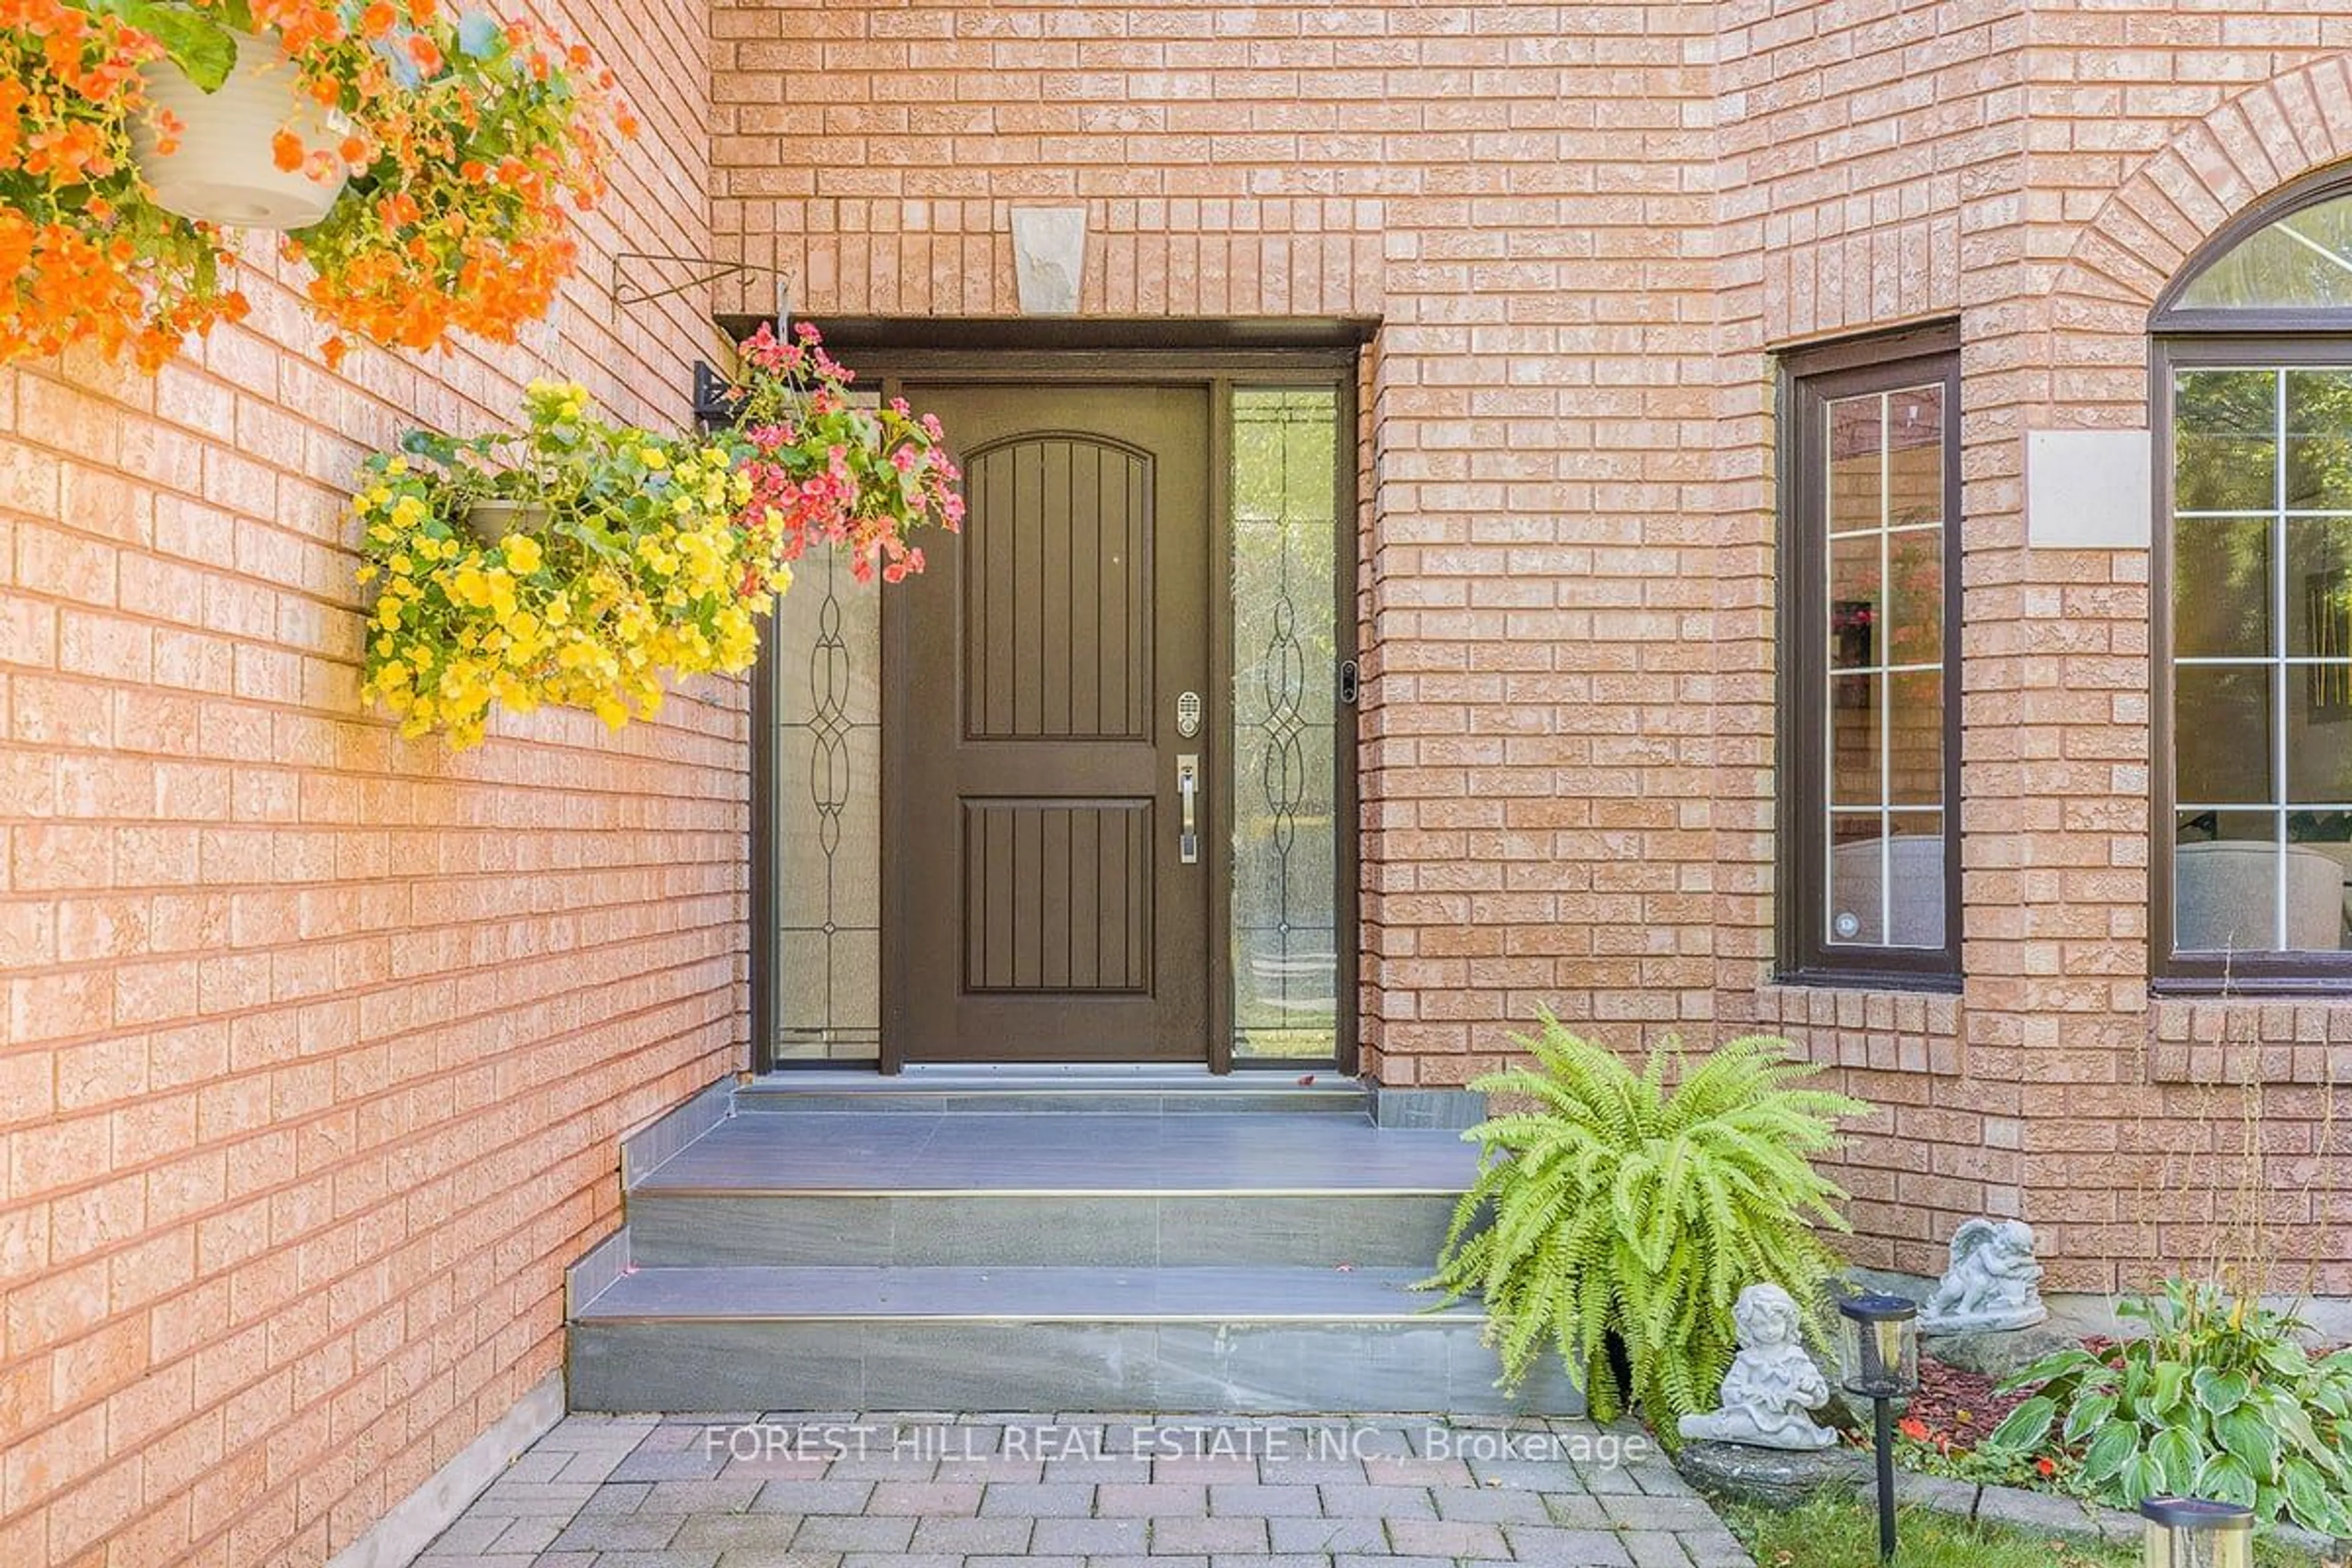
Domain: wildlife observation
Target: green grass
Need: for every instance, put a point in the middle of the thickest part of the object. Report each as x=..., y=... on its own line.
x=1841, y=1533
x=1833, y=1532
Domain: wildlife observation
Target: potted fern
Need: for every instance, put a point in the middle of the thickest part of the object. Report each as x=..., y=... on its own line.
x=1616, y=1216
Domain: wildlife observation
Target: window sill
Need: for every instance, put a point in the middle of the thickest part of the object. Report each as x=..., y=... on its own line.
x=1869, y=980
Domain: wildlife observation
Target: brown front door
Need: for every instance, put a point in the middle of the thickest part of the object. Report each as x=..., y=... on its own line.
x=1042, y=903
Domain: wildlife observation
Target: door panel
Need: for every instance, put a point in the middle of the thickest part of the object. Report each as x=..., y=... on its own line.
x=1040, y=908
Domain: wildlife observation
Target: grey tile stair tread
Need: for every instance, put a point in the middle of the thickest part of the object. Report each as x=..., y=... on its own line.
x=885, y=1151
x=1048, y=1294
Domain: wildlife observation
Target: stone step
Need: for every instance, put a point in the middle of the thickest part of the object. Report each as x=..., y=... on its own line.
x=1122, y=1190
x=954, y=1090
x=1316, y=1229
x=1261, y=1339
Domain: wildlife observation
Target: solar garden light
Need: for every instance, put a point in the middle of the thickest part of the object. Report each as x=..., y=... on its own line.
x=2192, y=1533
x=1880, y=1342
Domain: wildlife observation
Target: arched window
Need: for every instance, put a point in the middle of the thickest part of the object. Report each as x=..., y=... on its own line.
x=2253, y=383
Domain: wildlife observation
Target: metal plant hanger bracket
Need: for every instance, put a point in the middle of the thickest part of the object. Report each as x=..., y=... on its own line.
x=710, y=387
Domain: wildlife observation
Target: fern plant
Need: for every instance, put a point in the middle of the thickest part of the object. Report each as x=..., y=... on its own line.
x=1608, y=1207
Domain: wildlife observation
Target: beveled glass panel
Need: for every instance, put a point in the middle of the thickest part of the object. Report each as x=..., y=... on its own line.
x=1914, y=456
x=1914, y=596
x=2221, y=735
x=1856, y=496
x=1856, y=628
x=2319, y=440
x=1856, y=702
x=2225, y=880
x=1283, y=780
x=1914, y=892
x=2301, y=262
x=2221, y=588
x=2225, y=425
x=825, y=652
x=1914, y=738
x=1856, y=915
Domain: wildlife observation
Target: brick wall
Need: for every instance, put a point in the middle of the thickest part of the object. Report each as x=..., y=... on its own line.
x=315, y=1044
x=1584, y=228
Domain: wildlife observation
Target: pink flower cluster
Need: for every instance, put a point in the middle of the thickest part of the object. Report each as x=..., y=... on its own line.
x=823, y=469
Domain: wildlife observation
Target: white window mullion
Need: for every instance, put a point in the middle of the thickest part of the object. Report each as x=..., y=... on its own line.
x=2278, y=652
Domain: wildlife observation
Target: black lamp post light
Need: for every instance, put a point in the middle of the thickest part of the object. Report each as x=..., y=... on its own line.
x=2191, y=1532
x=1880, y=1343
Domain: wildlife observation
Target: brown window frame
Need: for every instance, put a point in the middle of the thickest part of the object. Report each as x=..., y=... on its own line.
x=1809, y=379
x=2256, y=972
x=2182, y=338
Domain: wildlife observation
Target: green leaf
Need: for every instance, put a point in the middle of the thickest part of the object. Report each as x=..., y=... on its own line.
x=2140, y=1477
x=2307, y=1494
x=2218, y=1392
x=2022, y=1431
x=200, y=47
x=2223, y=1478
x=2168, y=1386
x=2116, y=1445
x=2245, y=1434
x=2090, y=1413
x=2177, y=1456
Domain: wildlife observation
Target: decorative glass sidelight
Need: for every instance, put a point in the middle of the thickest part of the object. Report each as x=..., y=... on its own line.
x=1284, y=789
x=826, y=795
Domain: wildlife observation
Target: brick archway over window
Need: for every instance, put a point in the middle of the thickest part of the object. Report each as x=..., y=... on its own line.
x=2147, y=231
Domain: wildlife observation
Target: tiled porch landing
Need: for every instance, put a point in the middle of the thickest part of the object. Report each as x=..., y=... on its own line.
x=937, y=1492
x=966, y=1243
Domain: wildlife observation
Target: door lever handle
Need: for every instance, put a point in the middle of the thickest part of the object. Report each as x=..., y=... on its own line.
x=1188, y=794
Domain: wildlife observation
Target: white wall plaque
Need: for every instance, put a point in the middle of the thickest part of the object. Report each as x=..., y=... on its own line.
x=1049, y=258
x=2087, y=490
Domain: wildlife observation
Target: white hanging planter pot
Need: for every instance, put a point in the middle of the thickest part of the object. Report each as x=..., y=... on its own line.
x=223, y=168
x=491, y=521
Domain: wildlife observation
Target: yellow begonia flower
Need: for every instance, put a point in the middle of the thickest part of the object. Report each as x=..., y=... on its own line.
x=653, y=458
x=408, y=511
x=522, y=553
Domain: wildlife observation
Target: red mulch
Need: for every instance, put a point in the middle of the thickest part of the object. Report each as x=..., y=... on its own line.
x=1960, y=1405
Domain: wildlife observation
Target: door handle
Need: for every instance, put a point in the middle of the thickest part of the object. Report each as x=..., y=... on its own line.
x=1188, y=794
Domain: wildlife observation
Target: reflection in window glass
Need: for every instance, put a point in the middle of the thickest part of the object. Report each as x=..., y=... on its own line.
x=2302, y=261
x=2262, y=678
x=1285, y=525
x=1885, y=732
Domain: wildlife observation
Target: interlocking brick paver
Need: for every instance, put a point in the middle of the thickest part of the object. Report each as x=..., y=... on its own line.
x=1265, y=1501
x=1379, y=1502
x=1445, y=1538
x=1122, y=1500
x=1365, y=1534
x=1396, y=1508
x=1059, y=1499
x=1091, y=1537
x=945, y=1499
x=973, y=1537
x=1212, y=1535
x=853, y=1532
x=1566, y=1548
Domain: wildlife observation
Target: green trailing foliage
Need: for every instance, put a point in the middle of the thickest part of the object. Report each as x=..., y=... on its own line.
x=2218, y=1398
x=1611, y=1211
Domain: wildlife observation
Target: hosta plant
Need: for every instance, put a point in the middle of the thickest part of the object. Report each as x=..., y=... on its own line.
x=1630, y=1207
x=2217, y=1398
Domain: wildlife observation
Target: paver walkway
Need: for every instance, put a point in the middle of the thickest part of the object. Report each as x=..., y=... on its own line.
x=1088, y=1491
